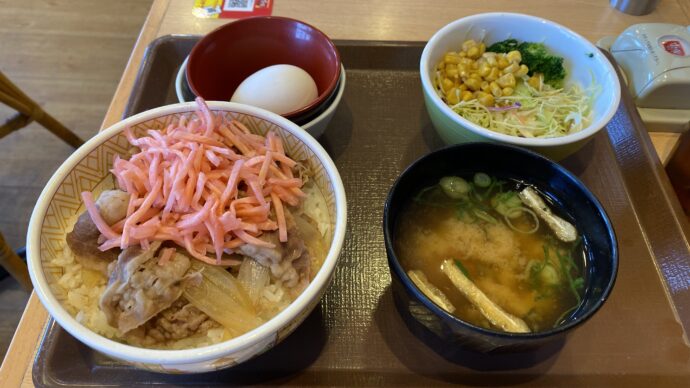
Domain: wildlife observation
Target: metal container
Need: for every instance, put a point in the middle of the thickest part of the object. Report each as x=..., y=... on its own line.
x=634, y=7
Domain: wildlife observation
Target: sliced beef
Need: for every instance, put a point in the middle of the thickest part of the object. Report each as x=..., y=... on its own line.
x=179, y=321
x=289, y=261
x=83, y=239
x=139, y=288
x=264, y=255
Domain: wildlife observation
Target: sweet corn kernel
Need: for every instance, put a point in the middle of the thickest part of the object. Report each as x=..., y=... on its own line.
x=446, y=84
x=474, y=73
x=485, y=99
x=506, y=80
x=512, y=68
x=484, y=69
x=493, y=74
x=473, y=52
x=522, y=71
x=514, y=56
x=451, y=58
x=536, y=81
x=494, y=86
x=453, y=96
x=473, y=84
x=466, y=45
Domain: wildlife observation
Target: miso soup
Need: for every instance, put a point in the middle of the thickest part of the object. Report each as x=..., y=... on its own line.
x=503, y=246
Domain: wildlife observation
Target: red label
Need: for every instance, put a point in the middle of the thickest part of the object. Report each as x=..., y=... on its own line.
x=674, y=47
x=232, y=9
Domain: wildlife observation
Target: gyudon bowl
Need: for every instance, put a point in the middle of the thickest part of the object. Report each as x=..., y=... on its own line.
x=56, y=274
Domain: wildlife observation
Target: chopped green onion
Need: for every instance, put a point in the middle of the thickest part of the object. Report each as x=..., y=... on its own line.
x=482, y=215
x=455, y=187
x=482, y=180
x=565, y=314
x=462, y=268
x=505, y=203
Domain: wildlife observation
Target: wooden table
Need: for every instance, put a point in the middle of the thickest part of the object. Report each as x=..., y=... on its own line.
x=409, y=20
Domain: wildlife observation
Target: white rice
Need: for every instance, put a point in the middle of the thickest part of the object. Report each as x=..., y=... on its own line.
x=83, y=287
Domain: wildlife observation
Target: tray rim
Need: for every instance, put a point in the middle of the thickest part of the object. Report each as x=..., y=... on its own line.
x=651, y=169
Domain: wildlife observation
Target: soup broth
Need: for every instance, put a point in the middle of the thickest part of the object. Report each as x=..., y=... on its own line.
x=501, y=246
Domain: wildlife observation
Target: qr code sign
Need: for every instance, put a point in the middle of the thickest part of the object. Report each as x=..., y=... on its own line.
x=232, y=9
x=238, y=5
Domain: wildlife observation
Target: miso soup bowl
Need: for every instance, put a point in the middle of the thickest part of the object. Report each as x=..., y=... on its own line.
x=584, y=64
x=563, y=189
x=88, y=170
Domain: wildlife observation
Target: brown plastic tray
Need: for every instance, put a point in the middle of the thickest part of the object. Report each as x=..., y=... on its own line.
x=355, y=336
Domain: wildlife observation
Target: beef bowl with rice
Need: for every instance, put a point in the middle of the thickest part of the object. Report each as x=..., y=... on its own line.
x=188, y=238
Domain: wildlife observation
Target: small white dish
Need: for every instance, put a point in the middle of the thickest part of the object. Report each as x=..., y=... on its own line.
x=315, y=127
x=318, y=125
x=181, y=82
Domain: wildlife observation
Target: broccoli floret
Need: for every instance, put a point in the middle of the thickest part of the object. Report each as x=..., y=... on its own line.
x=538, y=59
x=504, y=46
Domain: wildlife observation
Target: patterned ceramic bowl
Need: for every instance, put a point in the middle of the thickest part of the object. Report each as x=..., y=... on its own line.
x=88, y=169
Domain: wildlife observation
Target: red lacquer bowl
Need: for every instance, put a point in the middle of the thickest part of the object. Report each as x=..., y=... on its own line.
x=221, y=60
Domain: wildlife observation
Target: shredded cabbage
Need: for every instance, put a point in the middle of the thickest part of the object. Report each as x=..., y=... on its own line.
x=538, y=113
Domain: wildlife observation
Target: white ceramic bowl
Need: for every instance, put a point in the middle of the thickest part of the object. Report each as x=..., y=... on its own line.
x=494, y=27
x=316, y=127
x=181, y=83
x=87, y=169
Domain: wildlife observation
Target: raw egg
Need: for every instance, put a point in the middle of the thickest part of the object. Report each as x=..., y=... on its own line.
x=278, y=88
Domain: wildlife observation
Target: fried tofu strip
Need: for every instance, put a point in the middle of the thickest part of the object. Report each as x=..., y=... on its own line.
x=493, y=312
x=563, y=229
x=432, y=292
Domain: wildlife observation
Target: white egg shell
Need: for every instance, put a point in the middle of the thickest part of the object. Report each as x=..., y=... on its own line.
x=278, y=88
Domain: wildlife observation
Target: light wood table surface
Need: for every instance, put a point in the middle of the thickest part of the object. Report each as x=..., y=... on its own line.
x=410, y=20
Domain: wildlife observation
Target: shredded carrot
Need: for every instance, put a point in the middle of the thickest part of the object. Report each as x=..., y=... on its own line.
x=280, y=214
x=102, y=226
x=205, y=183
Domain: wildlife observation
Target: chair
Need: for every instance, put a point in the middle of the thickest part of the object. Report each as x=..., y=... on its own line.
x=27, y=111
